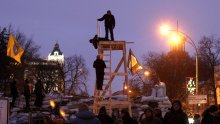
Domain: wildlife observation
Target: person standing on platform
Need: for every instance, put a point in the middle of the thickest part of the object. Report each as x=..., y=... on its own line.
x=39, y=93
x=14, y=92
x=27, y=93
x=109, y=24
x=99, y=66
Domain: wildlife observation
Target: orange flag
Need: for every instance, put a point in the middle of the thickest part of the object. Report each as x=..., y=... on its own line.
x=14, y=50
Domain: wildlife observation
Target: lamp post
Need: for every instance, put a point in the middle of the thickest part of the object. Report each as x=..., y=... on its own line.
x=166, y=30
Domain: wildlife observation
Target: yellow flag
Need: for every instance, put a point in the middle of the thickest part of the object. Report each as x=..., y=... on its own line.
x=133, y=63
x=14, y=50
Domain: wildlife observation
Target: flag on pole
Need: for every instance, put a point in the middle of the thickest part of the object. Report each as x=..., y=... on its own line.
x=133, y=63
x=14, y=50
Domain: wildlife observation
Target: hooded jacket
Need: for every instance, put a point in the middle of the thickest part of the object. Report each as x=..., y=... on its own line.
x=176, y=116
x=85, y=117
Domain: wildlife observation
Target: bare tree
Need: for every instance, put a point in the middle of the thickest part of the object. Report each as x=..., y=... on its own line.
x=76, y=74
x=209, y=50
x=171, y=68
x=48, y=72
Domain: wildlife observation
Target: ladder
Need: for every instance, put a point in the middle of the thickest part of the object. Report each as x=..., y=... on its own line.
x=104, y=97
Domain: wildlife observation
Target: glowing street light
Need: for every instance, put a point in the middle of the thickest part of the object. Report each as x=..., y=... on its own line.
x=125, y=87
x=176, y=38
x=146, y=73
x=164, y=29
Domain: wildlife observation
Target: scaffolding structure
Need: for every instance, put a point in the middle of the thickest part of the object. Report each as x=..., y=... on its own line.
x=104, y=97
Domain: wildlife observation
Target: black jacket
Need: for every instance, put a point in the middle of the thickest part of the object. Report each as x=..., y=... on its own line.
x=105, y=119
x=100, y=66
x=85, y=117
x=14, y=91
x=109, y=20
x=176, y=117
x=129, y=120
x=26, y=90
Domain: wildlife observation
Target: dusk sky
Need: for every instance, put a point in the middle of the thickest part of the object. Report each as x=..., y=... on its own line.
x=72, y=23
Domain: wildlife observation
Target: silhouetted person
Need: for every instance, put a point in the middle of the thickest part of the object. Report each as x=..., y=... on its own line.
x=176, y=114
x=99, y=66
x=84, y=116
x=14, y=92
x=27, y=93
x=95, y=40
x=127, y=118
x=104, y=117
x=208, y=115
x=39, y=93
x=216, y=119
x=158, y=114
x=109, y=24
x=196, y=119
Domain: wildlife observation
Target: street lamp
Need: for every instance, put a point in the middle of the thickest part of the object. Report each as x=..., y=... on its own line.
x=165, y=30
x=146, y=73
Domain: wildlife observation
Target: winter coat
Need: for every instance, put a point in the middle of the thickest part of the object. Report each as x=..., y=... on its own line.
x=39, y=89
x=109, y=20
x=100, y=66
x=26, y=90
x=105, y=119
x=216, y=119
x=176, y=117
x=14, y=91
x=153, y=120
x=85, y=117
x=207, y=119
x=129, y=120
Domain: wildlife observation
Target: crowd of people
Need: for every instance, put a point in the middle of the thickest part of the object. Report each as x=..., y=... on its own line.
x=150, y=116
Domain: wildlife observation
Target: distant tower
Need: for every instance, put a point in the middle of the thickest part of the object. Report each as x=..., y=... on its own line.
x=56, y=54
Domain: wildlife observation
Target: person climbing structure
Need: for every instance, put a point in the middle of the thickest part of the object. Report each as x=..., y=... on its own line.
x=99, y=66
